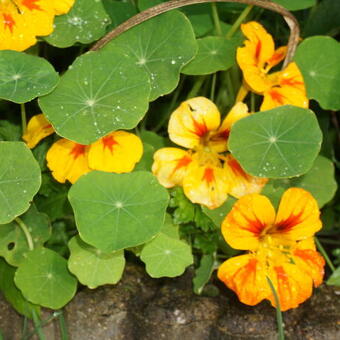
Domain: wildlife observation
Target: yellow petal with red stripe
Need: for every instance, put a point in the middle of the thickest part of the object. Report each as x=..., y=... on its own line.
x=117, y=152
x=37, y=128
x=192, y=121
x=67, y=160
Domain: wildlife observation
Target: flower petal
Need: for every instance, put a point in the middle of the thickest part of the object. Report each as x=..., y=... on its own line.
x=67, y=160
x=37, y=128
x=218, y=140
x=249, y=216
x=277, y=57
x=242, y=183
x=298, y=216
x=62, y=6
x=170, y=166
x=205, y=185
x=117, y=152
x=246, y=276
x=192, y=121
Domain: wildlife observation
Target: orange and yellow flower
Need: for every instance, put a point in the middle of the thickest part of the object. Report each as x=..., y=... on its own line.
x=21, y=21
x=117, y=152
x=204, y=171
x=257, y=58
x=280, y=245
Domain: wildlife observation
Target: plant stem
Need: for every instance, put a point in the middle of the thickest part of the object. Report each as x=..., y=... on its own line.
x=24, y=228
x=252, y=102
x=216, y=18
x=213, y=87
x=324, y=254
x=63, y=328
x=197, y=86
x=37, y=324
x=278, y=310
x=23, y=118
x=239, y=21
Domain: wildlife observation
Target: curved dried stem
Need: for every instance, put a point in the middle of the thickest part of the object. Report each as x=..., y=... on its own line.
x=173, y=4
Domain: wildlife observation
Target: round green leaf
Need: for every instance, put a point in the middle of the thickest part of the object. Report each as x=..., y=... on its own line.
x=295, y=5
x=101, y=92
x=20, y=179
x=24, y=77
x=214, y=54
x=321, y=70
x=166, y=256
x=161, y=46
x=43, y=279
x=117, y=211
x=84, y=23
x=334, y=279
x=218, y=215
x=92, y=267
x=13, y=242
x=278, y=143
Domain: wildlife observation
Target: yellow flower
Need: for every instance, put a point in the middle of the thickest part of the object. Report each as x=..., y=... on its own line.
x=21, y=21
x=280, y=245
x=117, y=152
x=256, y=59
x=205, y=173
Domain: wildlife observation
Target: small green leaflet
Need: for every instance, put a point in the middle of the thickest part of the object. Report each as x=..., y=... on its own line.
x=203, y=272
x=334, y=279
x=20, y=179
x=85, y=23
x=166, y=256
x=279, y=143
x=161, y=46
x=24, y=77
x=13, y=242
x=44, y=279
x=101, y=92
x=321, y=70
x=92, y=267
x=214, y=54
x=117, y=211
x=218, y=215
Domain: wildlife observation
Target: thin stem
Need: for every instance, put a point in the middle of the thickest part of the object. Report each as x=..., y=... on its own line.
x=252, y=102
x=239, y=21
x=23, y=118
x=213, y=87
x=324, y=254
x=38, y=326
x=278, y=310
x=216, y=18
x=197, y=86
x=24, y=228
x=63, y=328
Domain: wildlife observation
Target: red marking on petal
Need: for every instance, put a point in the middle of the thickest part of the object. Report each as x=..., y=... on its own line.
x=200, y=129
x=258, y=50
x=8, y=22
x=290, y=82
x=183, y=162
x=246, y=270
x=277, y=97
x=31, y=4
x=208, y=175
x=281, y=276
x=78, y=150
x=236, y=167
x=276, y=57
x=109, y=142
x=46, y=127
x=289, y=223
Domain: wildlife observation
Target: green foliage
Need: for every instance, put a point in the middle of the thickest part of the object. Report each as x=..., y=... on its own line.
x=334, y=279
x=203, y=272
x=294, y=5
x=278, y=143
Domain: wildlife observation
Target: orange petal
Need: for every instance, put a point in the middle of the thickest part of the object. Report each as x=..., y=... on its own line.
x=37, y=128
x=192, y=121
x=67, y=160
x=246, y=276
x=218, y=140
x=242, y=183
x=117, y=152
x=248, y=218
x=298, y=216
x=170, y=166
x=292, y=285
x=205, y=185
x=277, y=57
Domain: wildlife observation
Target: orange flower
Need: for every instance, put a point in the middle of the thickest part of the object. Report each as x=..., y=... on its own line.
x=204, y=172
x=256, y=59
x=280, y=245
x=21, y=21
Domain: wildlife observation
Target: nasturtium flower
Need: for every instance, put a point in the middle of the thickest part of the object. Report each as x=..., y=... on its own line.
x=21, y=21
x=206, y=173
x=116, y=152
x=256, y=58
x=280, y=247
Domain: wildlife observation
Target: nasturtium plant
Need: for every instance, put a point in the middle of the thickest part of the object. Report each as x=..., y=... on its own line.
x=97, y=93
x=85, y=23
x=294, y=5
x=117, y=211
x=279, y=143
x=24, y=77
x=20, y=179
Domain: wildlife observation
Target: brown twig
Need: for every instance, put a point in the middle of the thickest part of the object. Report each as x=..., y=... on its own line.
x=173, y=4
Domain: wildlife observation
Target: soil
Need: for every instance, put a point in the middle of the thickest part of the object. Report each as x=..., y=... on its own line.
x=143, y=308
